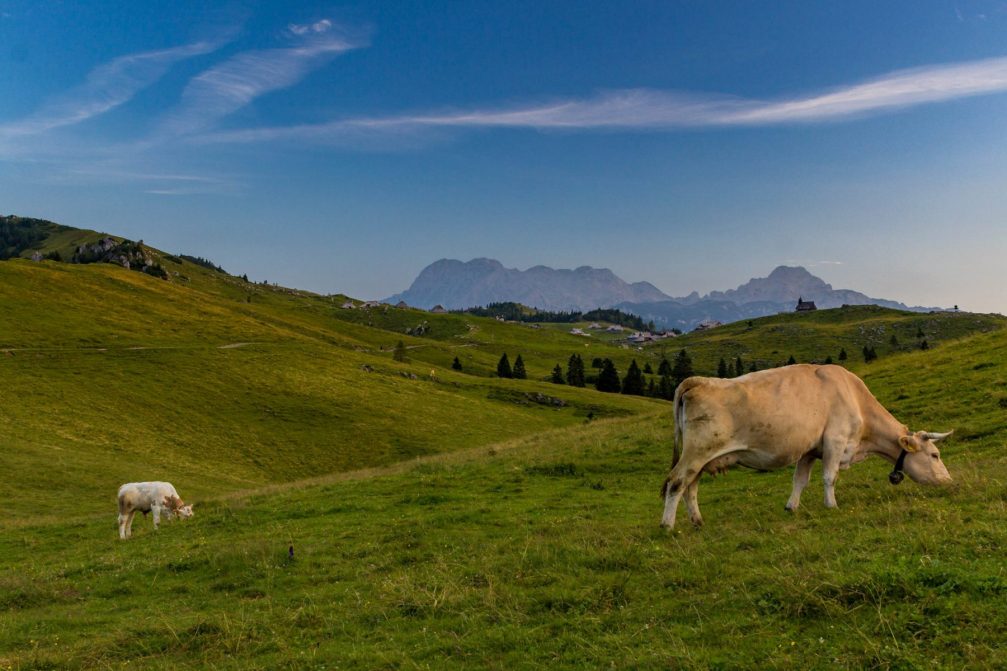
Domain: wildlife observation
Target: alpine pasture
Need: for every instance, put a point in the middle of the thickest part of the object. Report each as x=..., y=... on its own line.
x=353, y=511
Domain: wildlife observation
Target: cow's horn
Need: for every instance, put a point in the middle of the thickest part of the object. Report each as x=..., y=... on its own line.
x=937, y=436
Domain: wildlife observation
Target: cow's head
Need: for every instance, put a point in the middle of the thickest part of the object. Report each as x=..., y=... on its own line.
x=923, y=460
x=184, y=512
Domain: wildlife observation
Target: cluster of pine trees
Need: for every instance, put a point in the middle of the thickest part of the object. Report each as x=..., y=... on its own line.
x=635, y=382
x=504, y=369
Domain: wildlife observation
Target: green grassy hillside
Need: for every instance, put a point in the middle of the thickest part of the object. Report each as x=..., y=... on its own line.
x=811, y=337
x=455, y=520
x=111, y=375
x=545, y=552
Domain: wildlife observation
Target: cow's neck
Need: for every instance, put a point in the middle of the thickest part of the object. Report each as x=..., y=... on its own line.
x=883, y=432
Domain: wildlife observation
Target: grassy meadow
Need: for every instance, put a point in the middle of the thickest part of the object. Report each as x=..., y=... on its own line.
x=455, y=520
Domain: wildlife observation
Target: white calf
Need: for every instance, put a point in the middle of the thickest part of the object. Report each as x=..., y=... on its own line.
x=147, y=497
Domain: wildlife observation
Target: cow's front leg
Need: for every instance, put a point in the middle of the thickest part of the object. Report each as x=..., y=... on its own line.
x=157, y=516
x=831, y=459
x=801, y=476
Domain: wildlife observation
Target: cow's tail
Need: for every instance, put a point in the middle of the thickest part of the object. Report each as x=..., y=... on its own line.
x=679, y=405
x=679, y=413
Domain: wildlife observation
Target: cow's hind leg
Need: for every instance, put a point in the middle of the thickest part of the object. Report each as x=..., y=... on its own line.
x=673, y=490
x=679, y=480
x=801, y=476
x=692, y=501
x=122, y=526
x=129, y=523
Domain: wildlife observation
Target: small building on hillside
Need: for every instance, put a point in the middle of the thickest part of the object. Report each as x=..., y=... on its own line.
x=349, y=305
x=805, y=306
x=402, y=305
x=438, y=310
x=707, y=324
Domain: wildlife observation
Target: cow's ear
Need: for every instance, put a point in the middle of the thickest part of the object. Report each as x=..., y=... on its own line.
x=908, y=443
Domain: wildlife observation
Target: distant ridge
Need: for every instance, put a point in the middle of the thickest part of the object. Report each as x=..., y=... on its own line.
x=457, y=285
x=759, y=297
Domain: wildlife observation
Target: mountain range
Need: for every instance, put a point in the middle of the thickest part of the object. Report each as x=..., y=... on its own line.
x=457, y=285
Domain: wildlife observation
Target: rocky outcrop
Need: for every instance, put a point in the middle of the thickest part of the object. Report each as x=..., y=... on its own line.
x=126, y=253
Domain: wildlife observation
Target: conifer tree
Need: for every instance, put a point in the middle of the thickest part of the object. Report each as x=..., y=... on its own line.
x=608, y=378
x=842, y=354
x=647, y=369
x=557, y=375
x=828, y=359
x=633, y=382
x=575, y=371
x=682, y=368
x=519, y=371
x=791, y=361
x=399, y=353
x=739, y=367
x=722, y=368
x=596, y=362
x=664, y=368
x=752, y=368
x=666, y=387
x=651, y=389
x=503, y=367
x=924, y=345
x=456, y=364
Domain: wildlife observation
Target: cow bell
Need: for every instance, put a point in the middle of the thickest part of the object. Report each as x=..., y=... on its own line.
x=895, y=477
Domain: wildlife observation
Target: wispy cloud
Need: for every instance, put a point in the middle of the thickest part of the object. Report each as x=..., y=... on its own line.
x=305, y=28
x=107, y=87
x=656, y=110
x=226, y=88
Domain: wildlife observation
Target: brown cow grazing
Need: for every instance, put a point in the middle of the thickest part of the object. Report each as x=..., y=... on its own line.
x=792, y=415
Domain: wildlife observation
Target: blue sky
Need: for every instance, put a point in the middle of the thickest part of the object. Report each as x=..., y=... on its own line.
x=343, y=147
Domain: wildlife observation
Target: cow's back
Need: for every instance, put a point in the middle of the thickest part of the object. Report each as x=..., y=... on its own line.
x=781, y=412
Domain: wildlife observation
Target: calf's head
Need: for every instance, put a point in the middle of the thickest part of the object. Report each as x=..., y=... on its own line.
x=923, y=460
x=184, y=512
